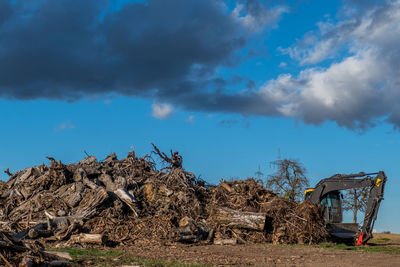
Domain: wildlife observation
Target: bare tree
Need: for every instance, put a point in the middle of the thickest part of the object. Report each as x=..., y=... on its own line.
x=289, y=180
x=355, y=200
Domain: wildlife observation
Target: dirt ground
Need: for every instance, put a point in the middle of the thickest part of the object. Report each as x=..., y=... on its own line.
x=275, y=255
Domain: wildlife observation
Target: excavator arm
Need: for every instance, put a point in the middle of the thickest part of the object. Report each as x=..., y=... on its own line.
x=374, y=181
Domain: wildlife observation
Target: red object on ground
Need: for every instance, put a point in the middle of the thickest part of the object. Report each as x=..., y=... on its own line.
x=360, y=239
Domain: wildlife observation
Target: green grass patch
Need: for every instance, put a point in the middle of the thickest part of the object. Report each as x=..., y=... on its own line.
x=383, y=239
x=370, y=248
x=96, y=257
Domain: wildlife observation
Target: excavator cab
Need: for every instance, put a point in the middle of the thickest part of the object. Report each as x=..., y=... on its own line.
x=332, y=213
x=332, y=207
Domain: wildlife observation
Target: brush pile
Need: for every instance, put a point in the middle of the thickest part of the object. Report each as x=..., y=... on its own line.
x=290, y=223
x=245, y=211
x=17, y=253
x=123, y=202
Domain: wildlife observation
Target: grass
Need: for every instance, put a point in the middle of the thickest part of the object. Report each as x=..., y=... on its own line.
x=383, y=240
x=372, y=247
x=96, y=257
x=379, y=244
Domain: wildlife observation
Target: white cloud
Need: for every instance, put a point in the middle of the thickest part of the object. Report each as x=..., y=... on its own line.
x=254, y=16
x=67, y=125
x=312, y=50
x=346, y=92
x=377, y=28
x=282, y=64
x=161, y=111
x=360, y=87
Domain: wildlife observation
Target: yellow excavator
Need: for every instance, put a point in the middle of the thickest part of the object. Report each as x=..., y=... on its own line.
x=327, y=194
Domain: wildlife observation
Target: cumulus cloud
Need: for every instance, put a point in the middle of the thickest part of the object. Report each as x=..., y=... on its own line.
x=161, y=111
x=347, y=93
x=355, y=91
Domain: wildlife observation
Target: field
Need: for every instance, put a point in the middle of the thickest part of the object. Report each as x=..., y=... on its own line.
x=383, y=250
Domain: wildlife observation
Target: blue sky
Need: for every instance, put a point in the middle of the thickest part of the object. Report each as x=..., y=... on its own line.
x=226, y=85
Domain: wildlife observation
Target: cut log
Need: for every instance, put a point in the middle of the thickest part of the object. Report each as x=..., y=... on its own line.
x=190, y=231
x=59, y=254
x=228, y=241
x=240, y=219
x=36, y=233
x=87, y=238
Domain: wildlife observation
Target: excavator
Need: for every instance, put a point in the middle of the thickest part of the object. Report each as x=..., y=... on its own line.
x=327, y=194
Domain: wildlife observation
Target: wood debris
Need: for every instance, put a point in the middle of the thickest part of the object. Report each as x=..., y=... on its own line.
x=122, y=202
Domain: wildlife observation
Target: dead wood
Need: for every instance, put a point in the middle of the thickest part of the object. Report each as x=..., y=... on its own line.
x=59, y=254
x=87, y=238
x=122, y=201
x=240, y=219
x=5, y=260
x=27, y=261
x=128, y=199
x=175, y=160
x=227, y=241
x=18, y=253
x=8, y=172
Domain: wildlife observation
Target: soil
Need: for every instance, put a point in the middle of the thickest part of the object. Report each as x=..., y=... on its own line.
x=270, y=255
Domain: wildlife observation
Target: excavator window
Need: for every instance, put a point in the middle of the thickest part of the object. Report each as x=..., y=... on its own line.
x=332, y=207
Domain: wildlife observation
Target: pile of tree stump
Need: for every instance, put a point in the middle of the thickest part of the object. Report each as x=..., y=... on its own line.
x=128, y=201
